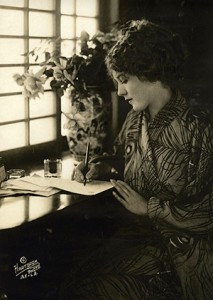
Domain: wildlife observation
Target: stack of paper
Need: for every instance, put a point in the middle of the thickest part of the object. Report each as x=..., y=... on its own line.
x=49, y=186
x=20, y=186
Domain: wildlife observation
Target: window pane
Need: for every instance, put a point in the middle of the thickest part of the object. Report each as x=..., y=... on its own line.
x=67, y=7
x=67, y=27
x=47, y=4
x=87, y=8
x=67, y=48
x=40, y=47
x=43, y=106
x=12, y=22
x=42, y=130
x=11, y=50
x=12, y=108
x=41, y=24
x=87, y=24
x=8, y=84
x=16, y=3
x=12, y=136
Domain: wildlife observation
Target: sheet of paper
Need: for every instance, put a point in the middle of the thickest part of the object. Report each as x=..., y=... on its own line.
x=91, y=188
x=11, y=192
x=17, y=186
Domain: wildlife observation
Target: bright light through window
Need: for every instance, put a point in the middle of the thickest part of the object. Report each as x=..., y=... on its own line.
x=90, y=25
x=43, y=106
x=41, y=24
x=11, y=51
x=47, y=4
x=12, y=136
x=7, y=81
x=44, y=26
x=67, y=7
x=67, y=27
x=12, y=22
x=87, y=8
x=42, y=130
x=7, y=113
x=19, y=3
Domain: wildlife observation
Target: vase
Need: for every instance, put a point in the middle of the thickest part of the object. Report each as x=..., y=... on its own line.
x=89, y=119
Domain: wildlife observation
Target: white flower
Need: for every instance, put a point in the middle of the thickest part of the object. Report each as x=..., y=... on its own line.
x=32, y=83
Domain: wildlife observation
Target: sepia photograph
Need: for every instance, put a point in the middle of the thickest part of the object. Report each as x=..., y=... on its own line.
x=106, y=150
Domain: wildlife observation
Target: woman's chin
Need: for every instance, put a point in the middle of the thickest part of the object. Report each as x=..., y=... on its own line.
x=135, y=108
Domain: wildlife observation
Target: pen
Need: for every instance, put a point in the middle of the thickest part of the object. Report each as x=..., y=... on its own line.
x=86, y=160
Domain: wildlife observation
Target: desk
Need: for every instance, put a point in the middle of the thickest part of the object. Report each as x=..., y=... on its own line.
x=17, y=210
x=49, y=233
x=40, y=237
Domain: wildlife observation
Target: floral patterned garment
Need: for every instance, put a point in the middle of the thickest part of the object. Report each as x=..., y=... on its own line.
x=169, y=162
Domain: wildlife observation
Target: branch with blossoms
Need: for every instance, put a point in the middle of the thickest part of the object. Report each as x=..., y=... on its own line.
x=79, y=71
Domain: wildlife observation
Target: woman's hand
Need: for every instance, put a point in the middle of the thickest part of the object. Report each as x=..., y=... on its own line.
x=95, y=171
x=130, y=199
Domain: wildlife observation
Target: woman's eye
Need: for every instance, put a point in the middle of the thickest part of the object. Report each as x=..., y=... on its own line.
x=123, y=79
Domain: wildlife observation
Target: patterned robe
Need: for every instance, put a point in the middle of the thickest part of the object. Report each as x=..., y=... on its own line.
x=169, y=161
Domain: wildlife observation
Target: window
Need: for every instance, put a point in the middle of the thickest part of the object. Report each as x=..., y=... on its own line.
x=26, y=24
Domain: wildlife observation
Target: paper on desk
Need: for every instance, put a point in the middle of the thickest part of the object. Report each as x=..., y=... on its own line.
x=91, y=188
x=18, y=186
x=11, y=192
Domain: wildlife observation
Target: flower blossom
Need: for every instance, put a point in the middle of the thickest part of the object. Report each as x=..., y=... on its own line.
x=32, y=83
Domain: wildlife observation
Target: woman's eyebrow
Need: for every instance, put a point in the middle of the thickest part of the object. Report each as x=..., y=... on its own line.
x=121, y=75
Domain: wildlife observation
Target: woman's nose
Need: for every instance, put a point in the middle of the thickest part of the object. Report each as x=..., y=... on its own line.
x=121, y=90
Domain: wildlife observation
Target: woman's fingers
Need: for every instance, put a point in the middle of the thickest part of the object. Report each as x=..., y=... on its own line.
x=125, y=186
x=93, y=172
x=121, y=187
x=119, y=198
x=78, y=175
x=130, y=199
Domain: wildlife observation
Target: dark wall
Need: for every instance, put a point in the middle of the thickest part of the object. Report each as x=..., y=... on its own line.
x=193, y=20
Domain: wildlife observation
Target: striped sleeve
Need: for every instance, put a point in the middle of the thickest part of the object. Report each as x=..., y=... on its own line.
x=193, y=209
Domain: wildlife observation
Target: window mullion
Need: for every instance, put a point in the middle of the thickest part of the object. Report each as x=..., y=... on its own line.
x=27, y=103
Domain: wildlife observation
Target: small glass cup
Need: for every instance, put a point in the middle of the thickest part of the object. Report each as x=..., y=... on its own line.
x=15, y=173
x=52, y=167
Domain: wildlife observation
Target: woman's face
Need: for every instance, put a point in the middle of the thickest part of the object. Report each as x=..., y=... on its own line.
x=140, y=94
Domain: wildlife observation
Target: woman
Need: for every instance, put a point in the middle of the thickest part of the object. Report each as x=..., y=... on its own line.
x=167, y=186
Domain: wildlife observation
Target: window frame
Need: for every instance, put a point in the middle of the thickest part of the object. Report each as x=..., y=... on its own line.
x=15, y=157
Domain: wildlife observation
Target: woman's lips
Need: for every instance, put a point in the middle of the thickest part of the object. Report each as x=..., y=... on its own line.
x=128, y=100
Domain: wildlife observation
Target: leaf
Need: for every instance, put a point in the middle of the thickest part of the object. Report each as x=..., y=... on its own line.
x=28, y=53
x=84, y=36
x=63, y=61
x=47, y=55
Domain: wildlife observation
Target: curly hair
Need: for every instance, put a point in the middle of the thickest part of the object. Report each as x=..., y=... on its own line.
x=148, y=51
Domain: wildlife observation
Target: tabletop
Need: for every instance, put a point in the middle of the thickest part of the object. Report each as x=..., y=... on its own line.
x=18, y=209
x=46, y=233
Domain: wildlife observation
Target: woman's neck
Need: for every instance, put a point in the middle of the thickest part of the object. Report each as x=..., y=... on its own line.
x=162, y=96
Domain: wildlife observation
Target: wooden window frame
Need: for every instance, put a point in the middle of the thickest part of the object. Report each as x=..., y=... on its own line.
x=18, y=156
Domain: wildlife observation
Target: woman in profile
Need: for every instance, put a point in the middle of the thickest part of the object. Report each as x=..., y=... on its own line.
x=164, y=249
